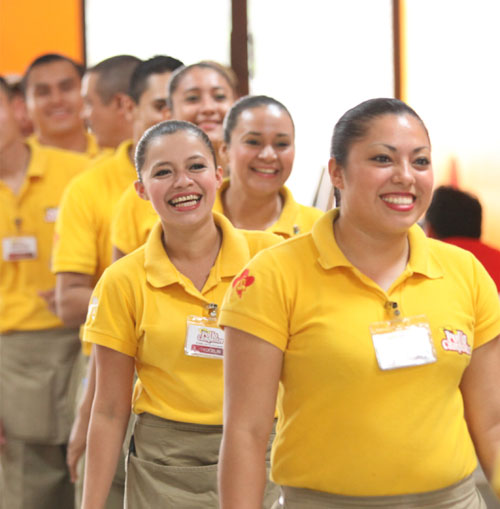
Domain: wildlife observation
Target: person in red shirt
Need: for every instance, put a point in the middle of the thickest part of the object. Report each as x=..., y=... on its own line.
x=455, y=217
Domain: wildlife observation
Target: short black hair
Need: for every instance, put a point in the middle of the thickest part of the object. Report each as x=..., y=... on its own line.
x=454, y=213
x=48, y=58
x=355, y=122
x=156, y=65
x=113, y=76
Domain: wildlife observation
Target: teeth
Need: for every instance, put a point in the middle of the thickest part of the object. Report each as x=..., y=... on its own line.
x=183, y=199
x=268, y=171
x=398, y=200
x=187, y=203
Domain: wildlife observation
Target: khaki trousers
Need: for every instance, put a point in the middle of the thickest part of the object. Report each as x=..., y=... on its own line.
x=174, y=465
x=462, y=495
x=37, y=391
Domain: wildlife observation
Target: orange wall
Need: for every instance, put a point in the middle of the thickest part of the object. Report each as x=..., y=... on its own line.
x=29, y=28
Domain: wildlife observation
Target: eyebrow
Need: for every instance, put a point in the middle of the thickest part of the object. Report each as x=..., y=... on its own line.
x=197, y=89
x=162, y=163
x=394, y=149
x=257, y=133
x=64, y=81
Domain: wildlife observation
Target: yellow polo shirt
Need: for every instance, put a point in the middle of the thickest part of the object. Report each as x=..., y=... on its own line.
x=134, y=218
x=32, y=213
x=132, y=221
x=345, y=426
x=92, y=150
x=82, y=243
x=294, y=219
x=140, y=308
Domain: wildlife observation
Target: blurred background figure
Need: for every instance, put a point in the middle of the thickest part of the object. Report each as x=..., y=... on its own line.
x=17, y=99
x=106, y=103
x=37, y=353
x=455, y=217
x=51, y=87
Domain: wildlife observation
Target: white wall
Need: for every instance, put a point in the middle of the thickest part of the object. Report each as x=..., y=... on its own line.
x=189, y=30
x=454, y=85
x=320, y=58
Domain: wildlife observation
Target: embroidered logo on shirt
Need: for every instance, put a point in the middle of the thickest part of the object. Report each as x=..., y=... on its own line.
x=456, y=341
x=92, y=310
x=241, y=283
x=51, y=214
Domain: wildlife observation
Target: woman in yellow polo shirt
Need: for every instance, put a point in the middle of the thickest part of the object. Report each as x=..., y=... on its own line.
x=155, y=310
x=383, y=346
x=259, y=148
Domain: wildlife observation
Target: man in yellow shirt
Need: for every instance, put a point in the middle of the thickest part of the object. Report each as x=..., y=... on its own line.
x=51, y=86
x=83, y=249
x=36, y=353
x=106, y=103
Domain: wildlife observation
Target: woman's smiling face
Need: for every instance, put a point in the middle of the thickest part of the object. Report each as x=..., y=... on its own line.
x=180, y=178
x=386, y=181
x=261, y=149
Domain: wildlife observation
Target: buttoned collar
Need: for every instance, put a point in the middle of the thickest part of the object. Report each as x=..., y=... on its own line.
x=330, y=255
x=233, y=255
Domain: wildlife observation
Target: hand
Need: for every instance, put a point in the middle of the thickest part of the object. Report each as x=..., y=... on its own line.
x=76, y=445
x=49, y=296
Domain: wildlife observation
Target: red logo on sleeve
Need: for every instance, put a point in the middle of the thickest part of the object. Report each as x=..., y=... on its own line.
x=241, y=283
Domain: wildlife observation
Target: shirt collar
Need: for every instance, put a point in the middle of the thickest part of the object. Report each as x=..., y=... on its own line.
x=284, y=226
x=38, y=158
x=233, y=255
x=330, y=256
x=285, y=223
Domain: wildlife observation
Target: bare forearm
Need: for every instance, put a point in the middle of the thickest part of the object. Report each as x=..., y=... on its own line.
x=72, y=305
x=88, y=395
x=242, y=470
x=104, y=443
x=488, y=449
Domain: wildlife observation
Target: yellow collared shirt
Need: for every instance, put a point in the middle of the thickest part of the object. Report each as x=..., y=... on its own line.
x=82, y=243
x=92, y=150
x=32, y=213
x=345, y=426
x=140, y=308
x=134, y=218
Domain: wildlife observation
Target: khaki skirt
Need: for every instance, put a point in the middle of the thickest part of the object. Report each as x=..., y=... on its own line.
x=174, y=464
x=463, y=495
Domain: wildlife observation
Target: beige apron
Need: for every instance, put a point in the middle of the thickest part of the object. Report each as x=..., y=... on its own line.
x=174, y=465
x=38, y=384
x=462, y=495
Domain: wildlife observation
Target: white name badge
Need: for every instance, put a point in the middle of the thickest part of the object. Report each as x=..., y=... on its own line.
x=19, y=248
x=203, y=338
x=403, y=343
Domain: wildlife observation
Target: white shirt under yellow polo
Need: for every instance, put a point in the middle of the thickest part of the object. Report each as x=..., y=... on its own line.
x=345, y=426
x=134, y=218
x=32, y=212
x=82, y=242
x=140, y=308
x=91, y=151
